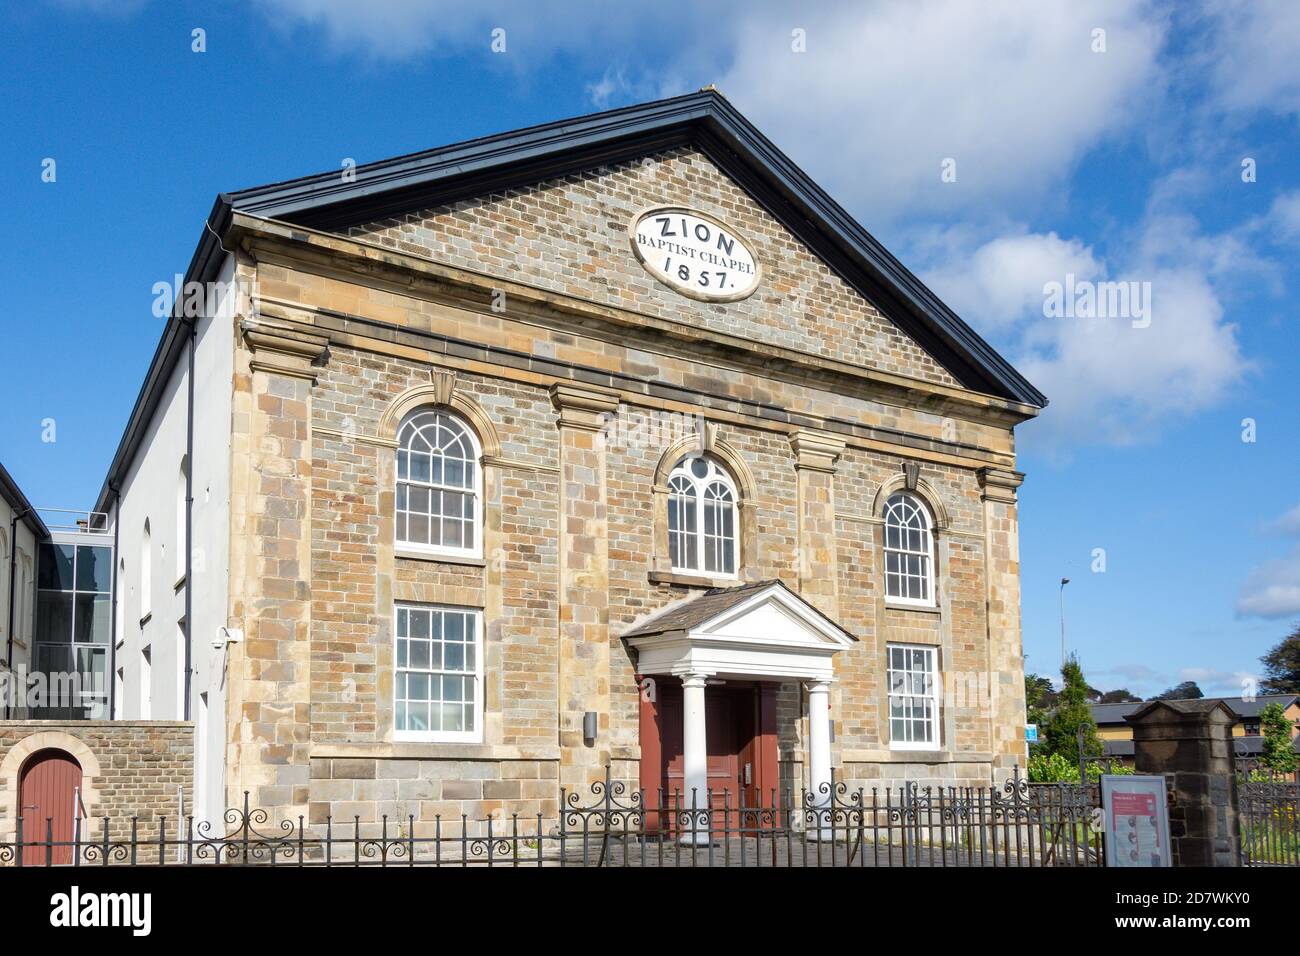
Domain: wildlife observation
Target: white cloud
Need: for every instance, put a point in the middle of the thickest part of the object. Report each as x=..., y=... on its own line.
x=1253, y=55
x=1214, y=682
x=1288, y=524
x=1283, y=219
x=883, y=94
x=1012, y=91
x=402, y=29
x=594, y=34
x=617, y=86
x=1110, y=379
x=1272, y=589
x=1002, y=280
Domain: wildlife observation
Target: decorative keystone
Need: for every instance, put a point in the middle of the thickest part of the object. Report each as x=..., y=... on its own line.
x=911, y=474
x=444, y=385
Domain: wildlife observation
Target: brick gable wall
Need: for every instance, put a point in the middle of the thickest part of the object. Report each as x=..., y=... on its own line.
x=570, y=235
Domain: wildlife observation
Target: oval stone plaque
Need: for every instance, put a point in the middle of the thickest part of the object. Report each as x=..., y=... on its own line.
x=694, y=254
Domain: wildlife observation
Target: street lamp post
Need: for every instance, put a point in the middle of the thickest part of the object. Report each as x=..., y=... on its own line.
x=1064, y=582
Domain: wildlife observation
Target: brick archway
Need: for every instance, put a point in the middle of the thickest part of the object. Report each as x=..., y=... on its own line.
x=12, y=766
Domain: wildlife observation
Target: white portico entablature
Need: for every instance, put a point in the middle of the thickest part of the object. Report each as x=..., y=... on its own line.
x=761, y=631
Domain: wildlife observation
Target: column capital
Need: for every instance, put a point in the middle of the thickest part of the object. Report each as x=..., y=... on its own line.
x=816, y=451
x=819, y=685
x=284, y=351
x=999, y=484
x=583, y=406
x=694, y=679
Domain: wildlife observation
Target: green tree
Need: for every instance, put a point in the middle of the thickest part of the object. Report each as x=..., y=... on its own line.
x=1039, y=697
x=1275, y=727
x=1187, y=690
x=1121, y=696
x=1282, y=666
x=1072, y=713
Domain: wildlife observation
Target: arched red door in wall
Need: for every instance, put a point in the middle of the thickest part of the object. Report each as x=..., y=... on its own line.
x=50, y=781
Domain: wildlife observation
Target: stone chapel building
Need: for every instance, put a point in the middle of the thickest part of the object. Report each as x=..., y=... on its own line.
x=612, y=441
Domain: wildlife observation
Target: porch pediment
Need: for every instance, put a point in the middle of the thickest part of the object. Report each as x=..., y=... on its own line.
x=759, y=631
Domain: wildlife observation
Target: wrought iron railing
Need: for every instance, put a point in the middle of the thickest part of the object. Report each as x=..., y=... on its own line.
x=1252, y=769
x=616, y=825
x=1269, y=819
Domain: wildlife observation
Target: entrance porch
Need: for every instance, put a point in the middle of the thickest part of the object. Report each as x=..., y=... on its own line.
x=710, y=668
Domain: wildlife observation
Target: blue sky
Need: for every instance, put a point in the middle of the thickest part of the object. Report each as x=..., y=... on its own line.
x=1114, y=156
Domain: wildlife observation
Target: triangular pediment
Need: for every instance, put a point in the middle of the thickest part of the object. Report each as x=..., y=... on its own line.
x=766, y=611
x=774, y=615
x=699, y=131
x=761, y=630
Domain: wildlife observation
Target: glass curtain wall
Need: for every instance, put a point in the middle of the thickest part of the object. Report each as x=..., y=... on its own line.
x=73, y=632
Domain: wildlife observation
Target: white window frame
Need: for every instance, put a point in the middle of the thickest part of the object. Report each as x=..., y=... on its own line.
x=444, y=736
x=476, y=450
x=698, y=538
x=936, y=721
x=931, y=599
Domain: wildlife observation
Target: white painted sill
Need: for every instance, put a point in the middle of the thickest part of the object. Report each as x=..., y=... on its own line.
x=439, y=557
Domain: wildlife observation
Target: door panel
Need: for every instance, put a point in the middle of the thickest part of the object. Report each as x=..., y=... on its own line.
x=47, y=804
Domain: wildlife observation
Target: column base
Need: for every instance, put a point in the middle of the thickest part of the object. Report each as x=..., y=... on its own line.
x=695, y=839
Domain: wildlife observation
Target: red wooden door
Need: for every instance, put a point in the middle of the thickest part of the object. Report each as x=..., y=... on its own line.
x=732, y=719
x=758, y=758
x=47, y=804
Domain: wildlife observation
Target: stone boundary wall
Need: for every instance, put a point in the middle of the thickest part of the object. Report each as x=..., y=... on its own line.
x=129, y=768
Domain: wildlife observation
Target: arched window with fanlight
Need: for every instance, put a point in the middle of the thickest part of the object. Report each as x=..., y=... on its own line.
x=702, y=519
x=439, y=484
x=909, y=551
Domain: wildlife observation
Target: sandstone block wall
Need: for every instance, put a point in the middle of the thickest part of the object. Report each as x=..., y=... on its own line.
x=573, y=507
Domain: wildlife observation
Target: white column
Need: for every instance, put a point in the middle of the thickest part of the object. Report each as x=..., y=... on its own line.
x=819, y=754
x=695, y=761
